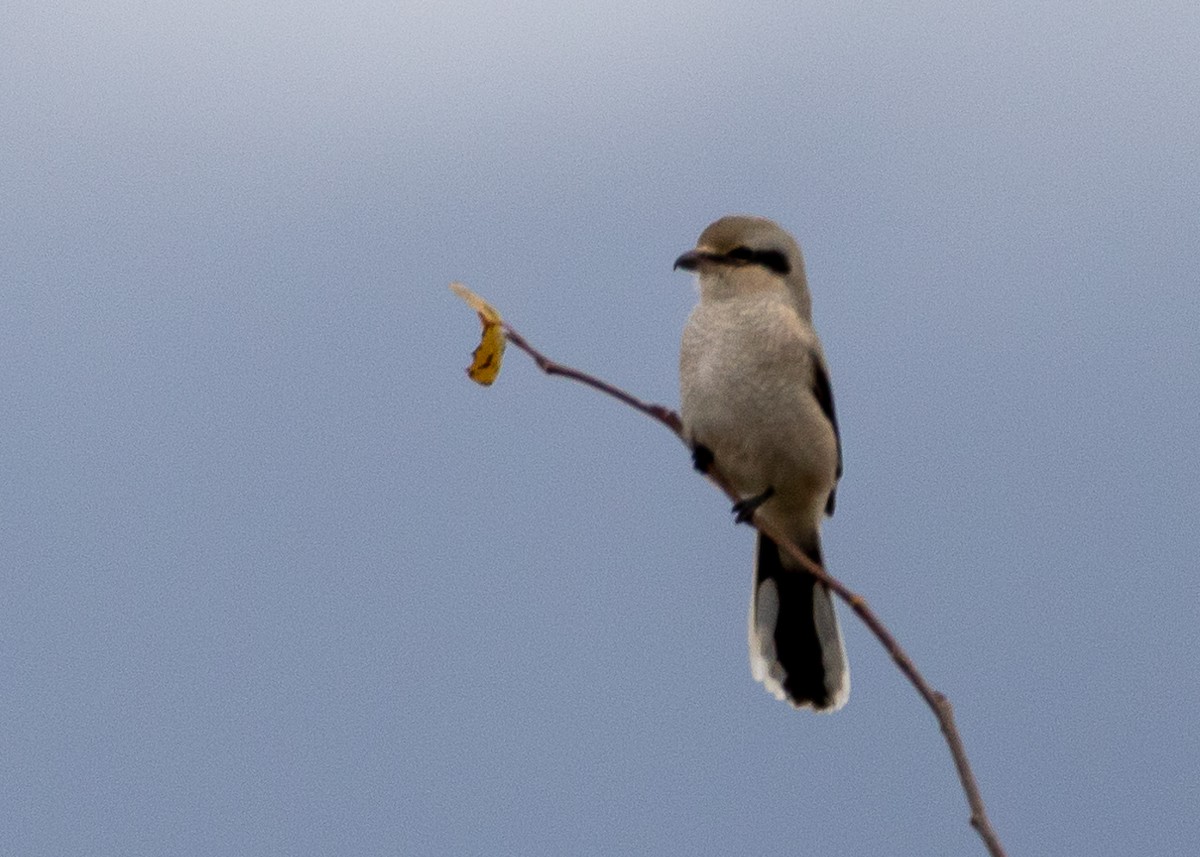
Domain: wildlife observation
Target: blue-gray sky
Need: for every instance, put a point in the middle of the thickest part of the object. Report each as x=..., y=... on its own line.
x=277, y=579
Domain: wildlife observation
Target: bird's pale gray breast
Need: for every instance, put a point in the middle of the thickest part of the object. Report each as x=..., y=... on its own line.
x=746, y=393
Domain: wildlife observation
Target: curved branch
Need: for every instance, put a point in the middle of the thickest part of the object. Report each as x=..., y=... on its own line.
x=937, y=701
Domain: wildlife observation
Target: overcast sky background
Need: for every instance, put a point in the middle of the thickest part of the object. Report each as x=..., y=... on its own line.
x=277, y=579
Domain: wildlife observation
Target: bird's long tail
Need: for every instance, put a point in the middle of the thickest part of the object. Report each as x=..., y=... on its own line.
x=796, y=647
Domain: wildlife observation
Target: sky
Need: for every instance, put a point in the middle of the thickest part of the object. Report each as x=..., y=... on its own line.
x=278, y=579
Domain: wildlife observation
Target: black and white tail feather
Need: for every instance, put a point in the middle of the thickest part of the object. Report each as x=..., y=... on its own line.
x=796, y=647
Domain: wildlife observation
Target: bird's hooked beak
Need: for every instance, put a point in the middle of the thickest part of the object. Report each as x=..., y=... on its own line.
x=692, y=259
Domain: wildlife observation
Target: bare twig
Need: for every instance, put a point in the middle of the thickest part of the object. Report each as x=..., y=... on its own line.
x=937, y=702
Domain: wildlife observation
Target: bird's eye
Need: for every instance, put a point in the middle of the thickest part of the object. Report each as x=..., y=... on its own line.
x=773, y=260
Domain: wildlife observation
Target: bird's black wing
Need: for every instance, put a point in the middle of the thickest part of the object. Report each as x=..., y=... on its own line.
x=823, y=390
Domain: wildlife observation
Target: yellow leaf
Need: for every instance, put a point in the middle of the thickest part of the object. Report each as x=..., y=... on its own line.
x=485, y=361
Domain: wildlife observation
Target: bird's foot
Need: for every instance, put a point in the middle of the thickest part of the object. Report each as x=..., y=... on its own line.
x=743, y=510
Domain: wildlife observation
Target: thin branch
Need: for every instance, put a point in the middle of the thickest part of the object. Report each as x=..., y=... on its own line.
x=937, y=702
x=664, y=415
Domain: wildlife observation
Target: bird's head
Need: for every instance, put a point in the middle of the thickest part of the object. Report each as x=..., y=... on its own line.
x=739, y=254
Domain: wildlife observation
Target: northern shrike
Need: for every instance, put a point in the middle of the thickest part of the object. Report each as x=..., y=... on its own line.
x=756, y=400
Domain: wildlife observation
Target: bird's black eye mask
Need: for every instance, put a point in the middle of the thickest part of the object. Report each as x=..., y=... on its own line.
x=772, y=260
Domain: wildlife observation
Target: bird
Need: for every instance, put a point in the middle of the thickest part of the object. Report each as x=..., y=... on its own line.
x=756, y=401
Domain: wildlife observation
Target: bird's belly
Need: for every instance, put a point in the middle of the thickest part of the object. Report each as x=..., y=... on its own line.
x=757, y=414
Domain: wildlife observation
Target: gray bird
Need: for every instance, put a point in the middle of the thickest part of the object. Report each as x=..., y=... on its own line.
x=756, y=400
